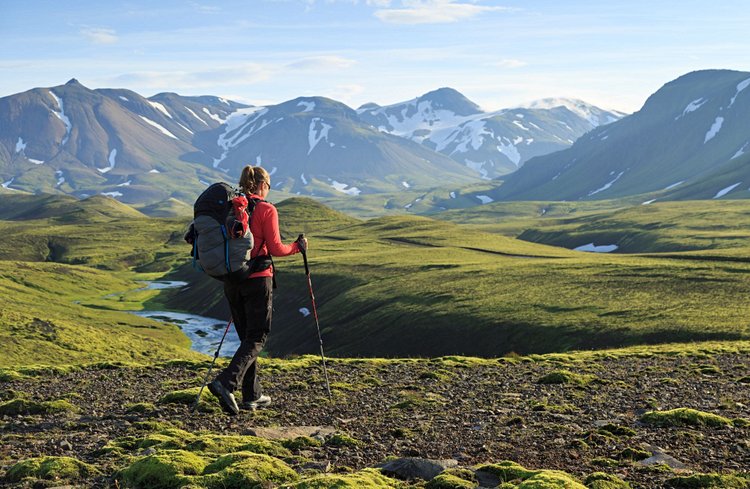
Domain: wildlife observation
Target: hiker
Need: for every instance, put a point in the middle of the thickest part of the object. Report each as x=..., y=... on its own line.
x=250, y=300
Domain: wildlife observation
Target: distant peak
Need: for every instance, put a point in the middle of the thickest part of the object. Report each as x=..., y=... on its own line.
x=73, y=81
x=451, y=99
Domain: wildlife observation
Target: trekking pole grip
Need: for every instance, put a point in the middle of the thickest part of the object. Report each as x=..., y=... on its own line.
x=303, y=250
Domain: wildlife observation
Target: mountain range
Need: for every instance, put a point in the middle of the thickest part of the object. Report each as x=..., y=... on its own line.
x=74, y=140
x=690, y=140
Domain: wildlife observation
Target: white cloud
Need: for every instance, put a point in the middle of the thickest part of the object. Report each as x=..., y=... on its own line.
x=99, y=35
x=321, y=63
x=508, y=63
x=185, y=80
x=433, y=12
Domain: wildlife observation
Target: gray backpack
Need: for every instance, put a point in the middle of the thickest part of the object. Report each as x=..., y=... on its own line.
x=222, y=240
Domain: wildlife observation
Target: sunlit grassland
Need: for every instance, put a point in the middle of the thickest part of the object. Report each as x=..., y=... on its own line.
x=50, y=315
x=412, y=286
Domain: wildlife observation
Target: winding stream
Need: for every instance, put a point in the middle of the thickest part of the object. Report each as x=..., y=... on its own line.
x=204, y=332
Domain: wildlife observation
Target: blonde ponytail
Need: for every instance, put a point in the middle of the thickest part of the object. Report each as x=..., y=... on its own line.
x=252, y=177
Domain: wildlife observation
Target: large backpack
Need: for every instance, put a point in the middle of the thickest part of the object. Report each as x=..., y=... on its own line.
x=221, y=244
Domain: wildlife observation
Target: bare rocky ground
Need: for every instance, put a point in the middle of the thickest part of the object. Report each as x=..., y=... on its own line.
x=470, y=411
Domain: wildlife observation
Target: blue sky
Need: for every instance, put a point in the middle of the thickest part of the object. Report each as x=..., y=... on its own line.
x=497, y=53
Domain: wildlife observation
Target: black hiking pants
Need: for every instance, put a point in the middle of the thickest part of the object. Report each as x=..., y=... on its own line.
x=251, y=306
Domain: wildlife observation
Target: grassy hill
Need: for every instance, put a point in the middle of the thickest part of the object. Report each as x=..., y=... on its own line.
x=409, y=285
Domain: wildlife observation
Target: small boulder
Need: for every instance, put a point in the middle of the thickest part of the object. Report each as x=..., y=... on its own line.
x=408, y=468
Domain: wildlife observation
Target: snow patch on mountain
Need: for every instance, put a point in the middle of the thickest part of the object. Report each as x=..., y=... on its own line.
x=485, y=199
x=125, y=99
x=692, y=107
x=715, y=128
x=160, y=108
x=518, y=123
x=161, y=128
x=112, y=162
x=478, y=166
x=724, y=191
x=741, y=151
x=309, y=106
x=125, y=184
x=20, y=145
x=670, y=187
x=405, y=184
x=343, y=187
x=61, y=115
x=184, y=127
x=60, y=178
x=578, y=107
x=154, y=171
x=597, y=249
x=606, y=185
x=304, y=180
x=511, y=152
x=6, y=185
x=452, y=195
x=239, y=126
x=196, y=115
x=112, y=194
x=213, y=116
x=740, y=87
x=318, y=130
x=36, y=162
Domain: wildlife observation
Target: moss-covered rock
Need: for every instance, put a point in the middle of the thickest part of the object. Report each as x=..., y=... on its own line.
x=364, y=479
x=208, y=402
x=342, y=440
x=448, y=480
x=617, y=430
x=245, y=469
x=551, y=479
x=300, y=443
x=600, y=480
x=164, y=470
x=50, y=468
x=507, y=471
x=684, y=417
x=17, y=407
x=713, y=481
x=139, y=408
x=634, y=454
x=566, y=377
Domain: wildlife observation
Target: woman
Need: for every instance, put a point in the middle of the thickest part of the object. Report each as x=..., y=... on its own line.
x=250, y=301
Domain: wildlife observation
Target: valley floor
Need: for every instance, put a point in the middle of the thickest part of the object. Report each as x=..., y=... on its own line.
x=471, y=410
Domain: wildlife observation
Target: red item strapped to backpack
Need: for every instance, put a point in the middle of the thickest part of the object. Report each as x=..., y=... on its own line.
x=240, y=225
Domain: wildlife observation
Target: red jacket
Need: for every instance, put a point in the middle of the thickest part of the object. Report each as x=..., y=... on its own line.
x=264, y=224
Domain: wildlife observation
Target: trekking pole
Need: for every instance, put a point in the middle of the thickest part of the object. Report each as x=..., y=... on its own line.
x=315, y=314
x=208, y=375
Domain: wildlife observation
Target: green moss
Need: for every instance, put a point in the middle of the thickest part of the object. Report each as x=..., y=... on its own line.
x=204, y=443
x=684, y=417
x=507, y=471
x=7, y=375
x=450, y=481
x=51, y=468
x=600, y=480
x=709, y=370
x=165, y=470
x=633, y=454
x=713, y=481
x=604, y=462
x=364, y=479
x=17, y=407
x=566, y=377
x=208, y=402
x=246, y=469
x=342, y=440
x=617, y=430
x=551, y=479
x=300, y=443
x=139, y=408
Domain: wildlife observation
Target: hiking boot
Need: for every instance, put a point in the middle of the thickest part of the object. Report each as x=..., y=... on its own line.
x=261, y=402
x=226, y=398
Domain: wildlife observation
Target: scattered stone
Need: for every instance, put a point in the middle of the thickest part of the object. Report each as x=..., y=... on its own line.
x=291, y=432
x=663, y=458
x=66, y=445
x=323, y=466
x=408, y=468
